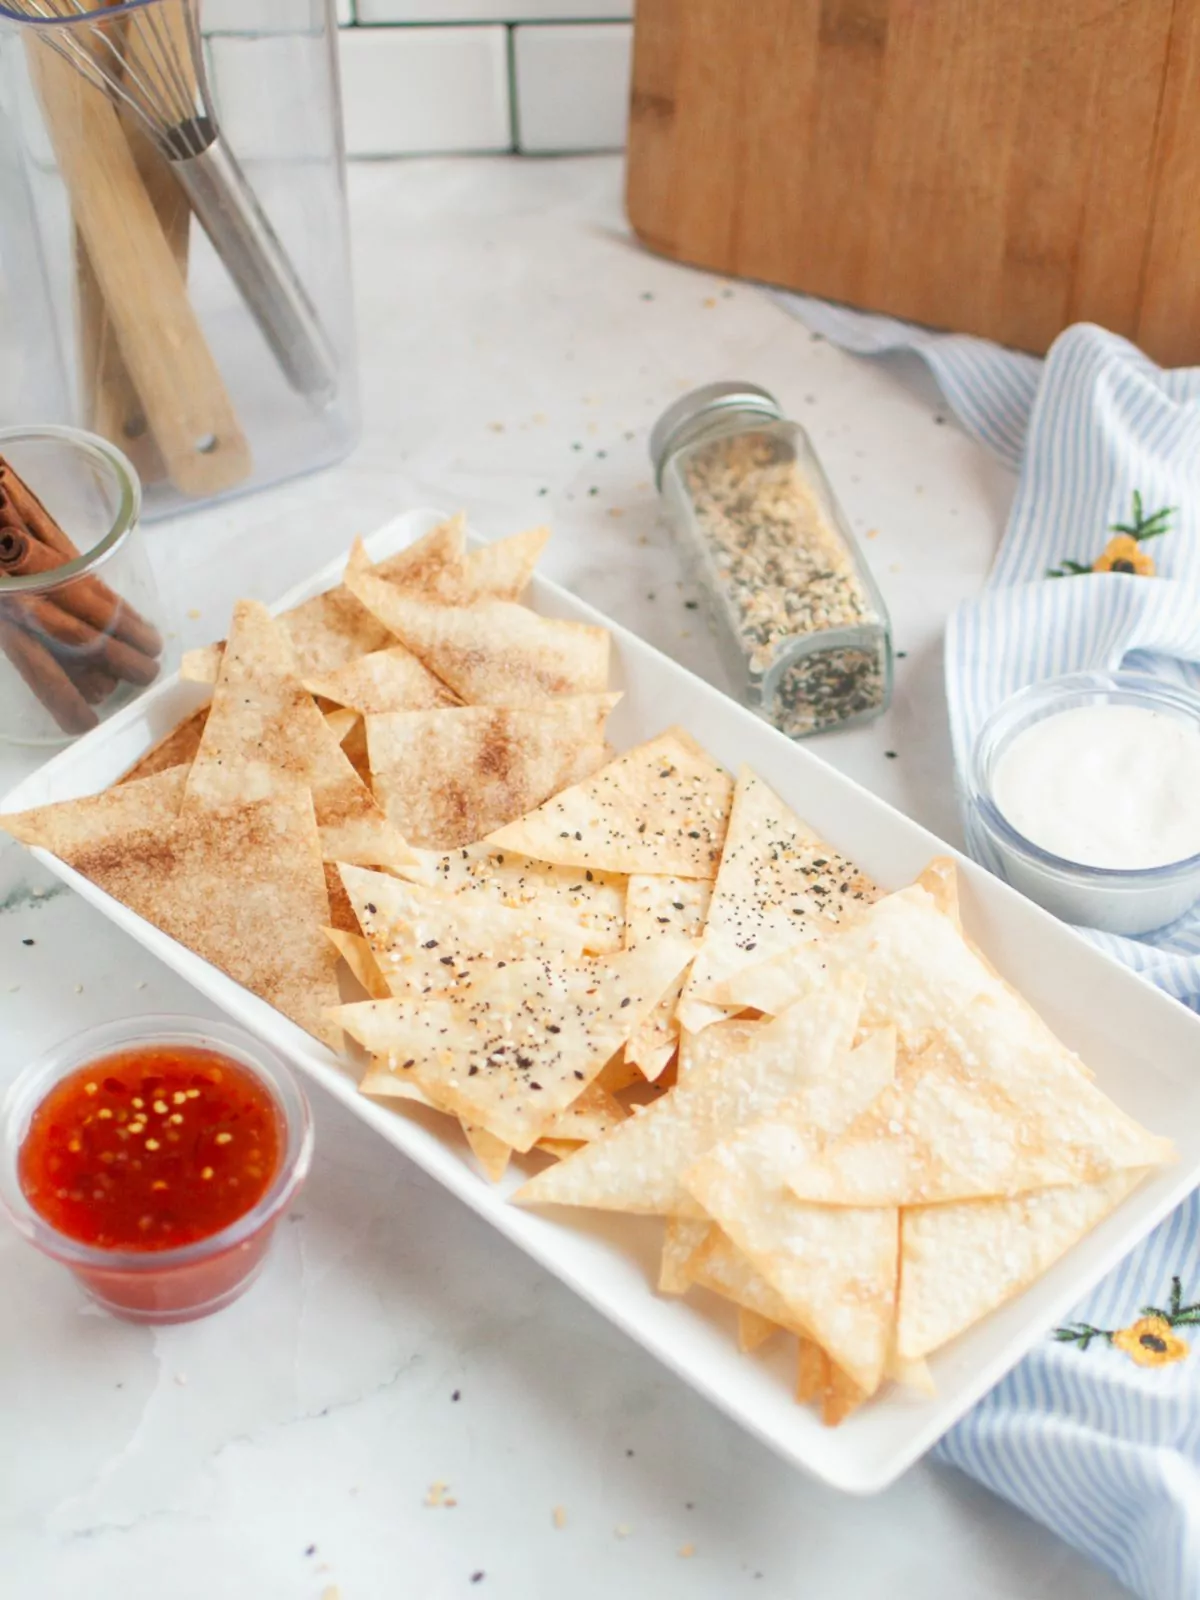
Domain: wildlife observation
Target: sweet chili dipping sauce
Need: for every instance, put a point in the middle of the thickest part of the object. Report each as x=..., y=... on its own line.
x=150, y=1149
x=157, y=1170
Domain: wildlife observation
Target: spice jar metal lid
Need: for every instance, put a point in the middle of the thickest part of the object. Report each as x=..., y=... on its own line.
x=693, y=412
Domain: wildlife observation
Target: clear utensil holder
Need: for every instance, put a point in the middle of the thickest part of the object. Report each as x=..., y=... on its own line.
x=174, y=263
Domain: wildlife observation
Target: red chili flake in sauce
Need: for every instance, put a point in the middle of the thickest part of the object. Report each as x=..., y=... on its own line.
x=150, y=1148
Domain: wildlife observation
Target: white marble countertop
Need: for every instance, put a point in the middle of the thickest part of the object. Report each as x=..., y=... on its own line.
x=516, y=347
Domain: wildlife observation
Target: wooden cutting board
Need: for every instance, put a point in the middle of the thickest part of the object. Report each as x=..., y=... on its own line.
x=1000, y=167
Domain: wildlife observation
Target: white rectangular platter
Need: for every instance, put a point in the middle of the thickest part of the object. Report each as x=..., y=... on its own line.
x=1143, y=1047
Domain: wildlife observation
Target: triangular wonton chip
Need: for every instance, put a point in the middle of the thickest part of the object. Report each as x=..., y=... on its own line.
x=833, y=1268
x=491, y=652
x=512, y=1051
x=386, y=680
x=596, y=900
x=654, y=906
x=994, y=1118
x=214, y=880
x=264, y=736
x=447, y=778
x=426, y=941
x=958, y=1262
x=735, y=1078
x=659, y=808
x=777, y=883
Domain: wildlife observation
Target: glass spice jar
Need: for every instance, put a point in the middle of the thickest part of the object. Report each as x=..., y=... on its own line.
x=799, y=619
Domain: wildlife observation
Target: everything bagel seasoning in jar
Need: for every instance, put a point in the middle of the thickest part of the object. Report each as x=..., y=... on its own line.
x=800, y=621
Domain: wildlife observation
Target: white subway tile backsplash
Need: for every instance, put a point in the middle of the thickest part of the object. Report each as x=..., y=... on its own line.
x=490, y=10
x=572, y=85
x=424, y=90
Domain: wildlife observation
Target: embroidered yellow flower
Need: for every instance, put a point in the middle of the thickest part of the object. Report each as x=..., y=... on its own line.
x=1150, y=1342
x=1124, y=554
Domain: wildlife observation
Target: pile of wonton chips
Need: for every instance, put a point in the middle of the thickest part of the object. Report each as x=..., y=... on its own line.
x=656, y=979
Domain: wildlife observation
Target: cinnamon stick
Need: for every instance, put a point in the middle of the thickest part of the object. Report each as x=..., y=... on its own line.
x=47, y=679
x=93, y=682
x=22, y=555
x=40, y=615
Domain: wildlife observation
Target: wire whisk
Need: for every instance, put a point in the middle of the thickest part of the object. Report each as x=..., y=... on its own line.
x=148, y=58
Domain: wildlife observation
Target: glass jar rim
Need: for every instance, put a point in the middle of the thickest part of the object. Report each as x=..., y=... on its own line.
x=124, y=521
x=686, y=417
x=34, y=1082
x=1034, y=703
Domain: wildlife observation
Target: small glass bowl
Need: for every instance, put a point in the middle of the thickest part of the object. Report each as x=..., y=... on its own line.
x=1127, y=901
x=80, y=640
x=192, y=1280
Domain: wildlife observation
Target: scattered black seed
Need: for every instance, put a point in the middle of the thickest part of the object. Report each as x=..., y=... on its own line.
x=576, y=447
x=553, y=1027
x=593, y=490
x=543, y=491
x=650, y=595
x=411, y=1062
x=589, y=877
x=430, y=944
x=477, y=1577
x=536, y=1086
x=689, y=1505
x=472, y=1070
x=27, y=941
x=578, y=1074
x=457, y=1395
x=890, y=754
x=691, y=605
x=629, y=1452
x=310, y=1550
x=901, y=655
x=601, y=454
x=446, y=961
x=625, y=1002
x=646, y=295
x=939, y=419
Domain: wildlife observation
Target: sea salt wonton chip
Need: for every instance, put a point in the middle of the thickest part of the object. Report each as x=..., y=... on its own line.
x=659, y=808
x=639, y=1167
x=958, y=1262
x=515, y=1050
x=264, y=735
x=596, y=900
x=447, y=778
x=491, y=652
x=426, y=941
x=754, y=1331
x=777, y=883
x=213, y=880
x=833, y=1268
x=996, y=1119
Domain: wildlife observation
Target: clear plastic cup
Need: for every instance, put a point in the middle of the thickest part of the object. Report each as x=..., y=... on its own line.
x=188, y=1281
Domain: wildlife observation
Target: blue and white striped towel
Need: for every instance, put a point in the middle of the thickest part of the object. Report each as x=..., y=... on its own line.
x=1101, y=1448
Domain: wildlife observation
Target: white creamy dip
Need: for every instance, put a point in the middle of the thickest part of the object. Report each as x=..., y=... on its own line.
x=1105, y=785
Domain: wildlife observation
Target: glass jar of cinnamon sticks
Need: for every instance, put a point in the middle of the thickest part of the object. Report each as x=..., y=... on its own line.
x=78, y=606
